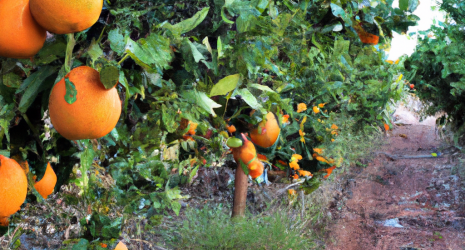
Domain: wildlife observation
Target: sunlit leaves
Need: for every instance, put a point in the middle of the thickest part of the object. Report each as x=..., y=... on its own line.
x=202, y=100
x=151, y=53
x=225, y=85
x=188, y=24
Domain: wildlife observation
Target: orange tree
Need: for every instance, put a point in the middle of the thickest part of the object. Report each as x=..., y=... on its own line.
x=435, y=69
x=208, y=64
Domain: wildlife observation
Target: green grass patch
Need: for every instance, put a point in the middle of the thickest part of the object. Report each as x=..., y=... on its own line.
x=213, y=228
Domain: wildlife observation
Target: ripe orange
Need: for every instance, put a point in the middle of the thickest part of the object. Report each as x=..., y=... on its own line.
x=121, y=246
x=46, y=185
x=66, y=16
x=13, y=188
x=21, y=36
x=245, y=153
x=95, y=112
x=192, y=128
x=248, y=155
x=256, y=169
x=267, y=132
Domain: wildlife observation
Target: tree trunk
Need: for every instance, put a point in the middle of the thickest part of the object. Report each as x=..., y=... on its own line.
x=240, y=193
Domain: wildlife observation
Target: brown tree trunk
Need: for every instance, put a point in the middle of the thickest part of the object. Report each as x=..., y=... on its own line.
x=240, y=193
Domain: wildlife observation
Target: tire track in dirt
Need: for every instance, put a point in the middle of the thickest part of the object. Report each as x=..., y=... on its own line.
x=402, y=204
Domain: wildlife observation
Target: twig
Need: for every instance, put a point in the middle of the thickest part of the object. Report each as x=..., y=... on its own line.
x=303, y=203
x=292, y=185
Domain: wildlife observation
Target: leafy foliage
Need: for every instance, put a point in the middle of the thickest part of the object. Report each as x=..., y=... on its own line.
x=435, y=67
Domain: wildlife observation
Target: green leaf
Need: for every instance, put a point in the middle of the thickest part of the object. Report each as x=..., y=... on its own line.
x=83, y=244
x=339, y=12
x=261, y=87
x=219, y=46
x=113, y=229
x=195, y=52
x=34, y=85
x=51, y=51
x=151, y=53
x=207, y=44
x=116, y=39
x=226, y=85
x=403, y=5
x=225, y=19
x=176, y=206
x=188, y=24
x=249, y=98
x=94, y=51
x=169, y=119
x=124, y=82
x=193, y=173
x=244, y=167
x=109, y=76
x=202, y=100
x=12, y=80
x=71, y=92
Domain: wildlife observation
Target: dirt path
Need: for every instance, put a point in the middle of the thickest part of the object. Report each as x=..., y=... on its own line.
x=404, y=204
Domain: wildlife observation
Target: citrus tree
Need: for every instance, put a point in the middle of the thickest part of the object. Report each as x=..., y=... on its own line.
x=180, y=83
x=435, y=67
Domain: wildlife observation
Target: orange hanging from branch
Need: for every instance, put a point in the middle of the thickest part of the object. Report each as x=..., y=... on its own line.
x=365, y=37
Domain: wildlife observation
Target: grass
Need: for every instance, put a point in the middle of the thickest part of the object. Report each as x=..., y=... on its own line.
x=213, y=228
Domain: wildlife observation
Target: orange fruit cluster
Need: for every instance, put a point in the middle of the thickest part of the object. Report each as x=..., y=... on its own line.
x=13, y=188
x=24, y=22
x=247, y=154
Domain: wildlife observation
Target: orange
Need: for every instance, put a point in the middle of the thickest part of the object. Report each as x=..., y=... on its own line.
x=66, y=16
x=95, y=112
x=13, y=188
x=231, y=129
x=245, y=153
x=267, y=132
x=47, y=184
x=21, y=36
x=192, y=128
x=256, y=169
x=365, y=37
x=121, y=246
x=248, y=155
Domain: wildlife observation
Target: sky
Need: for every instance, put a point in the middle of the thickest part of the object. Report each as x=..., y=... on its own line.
x=402, y=44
